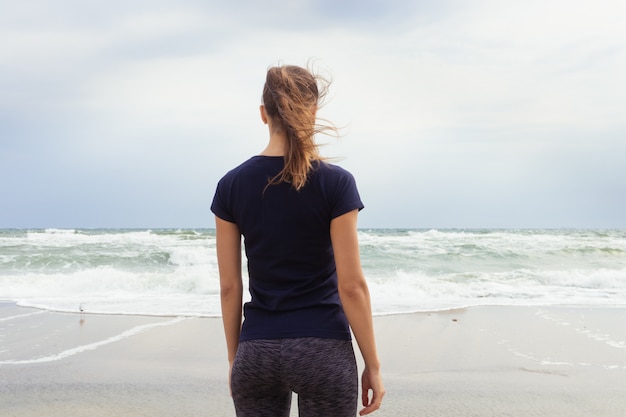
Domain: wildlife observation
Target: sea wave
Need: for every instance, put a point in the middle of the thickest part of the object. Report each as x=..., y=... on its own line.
x=174, y=271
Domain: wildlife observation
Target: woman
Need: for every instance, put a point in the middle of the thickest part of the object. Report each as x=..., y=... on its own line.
x=298, y=217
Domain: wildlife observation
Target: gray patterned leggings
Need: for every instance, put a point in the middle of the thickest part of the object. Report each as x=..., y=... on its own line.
x=323, y=372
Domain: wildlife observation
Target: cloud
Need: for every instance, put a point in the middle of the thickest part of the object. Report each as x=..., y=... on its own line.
x=456, y=114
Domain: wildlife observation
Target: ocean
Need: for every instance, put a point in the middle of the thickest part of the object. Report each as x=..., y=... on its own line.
x=167, y=272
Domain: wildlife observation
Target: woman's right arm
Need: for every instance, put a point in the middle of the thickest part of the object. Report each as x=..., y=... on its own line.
x=228, y=245
x=355, y=298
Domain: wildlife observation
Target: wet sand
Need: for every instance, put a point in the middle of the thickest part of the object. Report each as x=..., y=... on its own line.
x=488, y=361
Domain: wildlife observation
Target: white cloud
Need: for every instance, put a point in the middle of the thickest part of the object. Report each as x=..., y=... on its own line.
x=455, y=102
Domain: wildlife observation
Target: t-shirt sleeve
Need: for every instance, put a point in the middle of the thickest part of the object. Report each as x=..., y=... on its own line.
x=221, y=202
x=346, y=196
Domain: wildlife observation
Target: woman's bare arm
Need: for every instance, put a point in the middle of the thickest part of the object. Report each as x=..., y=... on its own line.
x=355, y=298
x=231, y=286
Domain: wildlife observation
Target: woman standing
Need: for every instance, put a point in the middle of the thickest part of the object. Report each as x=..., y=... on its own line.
x=298, y=217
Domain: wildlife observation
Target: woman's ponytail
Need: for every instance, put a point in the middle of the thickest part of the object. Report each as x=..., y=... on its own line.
x=291, y=97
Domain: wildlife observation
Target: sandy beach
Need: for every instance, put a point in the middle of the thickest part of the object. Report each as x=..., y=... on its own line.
x=487, y=361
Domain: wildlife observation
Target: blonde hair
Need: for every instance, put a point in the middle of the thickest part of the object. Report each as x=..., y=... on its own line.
x=291, y=97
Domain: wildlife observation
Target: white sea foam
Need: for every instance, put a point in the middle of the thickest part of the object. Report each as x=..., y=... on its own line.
x=91, y=346
x=20, y=316
x=174, y=272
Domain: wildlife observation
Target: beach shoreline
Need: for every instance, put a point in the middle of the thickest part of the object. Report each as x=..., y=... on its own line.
x=479, y=361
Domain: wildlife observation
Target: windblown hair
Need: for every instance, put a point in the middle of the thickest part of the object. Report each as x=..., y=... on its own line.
x=291, y=97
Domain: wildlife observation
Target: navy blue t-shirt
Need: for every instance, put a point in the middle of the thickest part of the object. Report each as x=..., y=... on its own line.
x=291, y=266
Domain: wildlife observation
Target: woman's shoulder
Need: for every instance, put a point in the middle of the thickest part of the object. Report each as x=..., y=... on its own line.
x=253, y=163
x=331, y=170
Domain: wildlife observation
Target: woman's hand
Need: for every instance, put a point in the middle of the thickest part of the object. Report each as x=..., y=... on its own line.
x=230, y=374
x=371, y=381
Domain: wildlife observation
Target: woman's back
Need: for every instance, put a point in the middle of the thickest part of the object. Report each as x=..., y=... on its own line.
x=288, y=247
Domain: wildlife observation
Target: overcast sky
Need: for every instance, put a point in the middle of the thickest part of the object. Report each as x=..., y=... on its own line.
x=464, y=114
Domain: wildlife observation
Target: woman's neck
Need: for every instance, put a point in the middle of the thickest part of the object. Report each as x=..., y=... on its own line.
x=276, y=146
